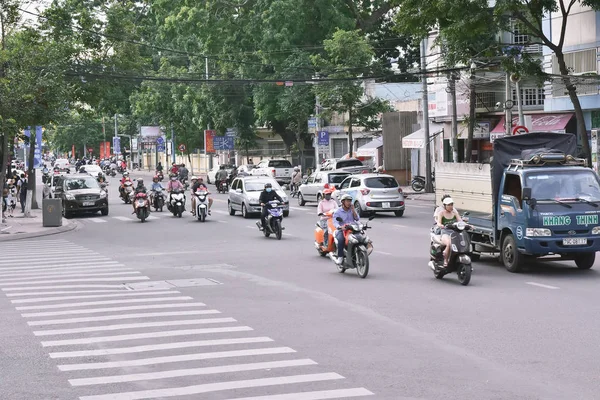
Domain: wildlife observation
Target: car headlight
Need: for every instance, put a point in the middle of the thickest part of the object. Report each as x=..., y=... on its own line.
x=102, y=194
x=538, y=232
x=596, y=230
x=69, y=196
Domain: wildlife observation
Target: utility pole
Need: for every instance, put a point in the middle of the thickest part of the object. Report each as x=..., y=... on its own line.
x=508, y=105
x=517, y=80
x=454, y=141
x=210, y=159
x=428, y=182
x=317, y=129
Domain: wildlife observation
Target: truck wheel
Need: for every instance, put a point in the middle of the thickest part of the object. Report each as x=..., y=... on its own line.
x=585, y=260
x=511, y=258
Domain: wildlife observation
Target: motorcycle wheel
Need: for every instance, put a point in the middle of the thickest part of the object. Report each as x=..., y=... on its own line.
x=361, y=261
x=202, y=216
x=278, y=232
x=464, y=274
x=266, y=233
x=417, y=186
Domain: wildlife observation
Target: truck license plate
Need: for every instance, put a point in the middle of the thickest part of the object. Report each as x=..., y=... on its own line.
x=386, y=205
x=574, y=241
x=88, y=203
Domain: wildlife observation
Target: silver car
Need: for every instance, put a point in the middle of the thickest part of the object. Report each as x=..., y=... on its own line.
x=373, y=193
x=245, y=191
x=312, y=190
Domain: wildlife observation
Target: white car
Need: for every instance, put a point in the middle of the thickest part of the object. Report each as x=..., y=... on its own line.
x=62, y=164
x=91, y=169
x=373, y=193
x=245, y=191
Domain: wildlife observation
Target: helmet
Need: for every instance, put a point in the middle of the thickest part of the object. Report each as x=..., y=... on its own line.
x=268, y=185
x=194, y=178
x=296, y=169
x=125, y=173
x=448, y=200
x=328, y=191
x=140, y=182
x=346, y=197
x=173, y=177
x=155, y=178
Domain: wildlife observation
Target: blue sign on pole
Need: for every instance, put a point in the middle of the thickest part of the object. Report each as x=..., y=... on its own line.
x=323, y=138
x=160, y=147
x=231, y=132
x=312, y=122
x=117, y=145
x=160, y=141
x=223, y=143
x=37, y=153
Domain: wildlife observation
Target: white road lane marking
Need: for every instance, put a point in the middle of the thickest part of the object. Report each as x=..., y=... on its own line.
x=34, y=288
x=97, y=303
x=123, y=218
x=147, y=335
x=175, y=359
x=97, y=220
x=137, y=325
x=111, y=309
x=52, y=267
x=67, y=292
x=158, y=347
x=223, y=369
x=214, y=387
x=542, y=285
x=45, y=272
x=119, y=279
x=383, y=253
x=124, y=293
x=318, y=395
x=64, y=274
x=120, y=317
x=64, y=259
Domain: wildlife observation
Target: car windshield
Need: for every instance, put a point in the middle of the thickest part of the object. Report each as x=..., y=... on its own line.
x=81, y=183
x=337, y=178
x=381, y=182
x=258, y=186
x=563, y=185
x=349, y=163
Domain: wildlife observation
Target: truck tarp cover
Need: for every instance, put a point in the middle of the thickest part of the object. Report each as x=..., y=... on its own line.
x=507, y=148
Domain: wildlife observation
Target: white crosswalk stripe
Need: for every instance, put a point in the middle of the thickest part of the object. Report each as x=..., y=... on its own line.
x=148, y=344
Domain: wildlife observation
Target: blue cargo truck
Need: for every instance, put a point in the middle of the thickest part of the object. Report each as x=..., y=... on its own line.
x=535, y=199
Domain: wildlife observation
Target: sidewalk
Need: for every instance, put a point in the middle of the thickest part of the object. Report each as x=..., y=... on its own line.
x=19, y=227
x=410, y=194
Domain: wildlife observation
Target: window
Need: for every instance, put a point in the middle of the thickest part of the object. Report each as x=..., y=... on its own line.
x=355, y=182
x=236, y=184
x=519, y=34
x=346, y=183
x=381, y=182
x=579, y=63
x=530, y=96
x=340, y=147
x=349, y=163
x=318, y=178
x=485, y=100
x=311, y=179
x=280, y=164
x=512, y=187
x=362, y=141
x=81, y=183
x=337, y=178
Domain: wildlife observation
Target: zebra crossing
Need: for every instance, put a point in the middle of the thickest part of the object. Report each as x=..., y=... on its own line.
x=114, y=343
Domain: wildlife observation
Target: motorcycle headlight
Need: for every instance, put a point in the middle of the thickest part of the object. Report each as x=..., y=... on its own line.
x=596, y=230
x=102, y=194
x=460, y=225
x=69, y=196
x=536, y=232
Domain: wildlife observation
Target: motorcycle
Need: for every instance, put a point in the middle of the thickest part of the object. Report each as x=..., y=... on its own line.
x=127, y=192
x=158, y=200
x=142, y=206
x=325, y=248
x=273, y=225
x=201, y=205
x=418, y=182
x=176, y=202
x=357, y=248
x=460, y=261
x=46, y=177
x=223, y=187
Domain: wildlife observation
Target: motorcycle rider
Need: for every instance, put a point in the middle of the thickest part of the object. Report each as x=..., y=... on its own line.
x=440, y=209
x=267, y=195
x=199, y=185
x=174, y=184
x=296, y=179
x=140, y=188
x=348, y=215
x=220, y=176
x=155, y=189
x=124, y=179
x=447, y=216
x=326, y=205
x=101, y=178
x=183, y=173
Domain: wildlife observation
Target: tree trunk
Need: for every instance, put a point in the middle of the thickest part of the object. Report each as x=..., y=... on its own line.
x=350, y=138
x=247, y=154
x=30, y=202
x=581, y=131
x=472, y=104
x=4, y=161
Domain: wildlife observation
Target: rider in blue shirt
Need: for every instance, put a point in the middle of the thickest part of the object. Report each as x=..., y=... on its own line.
x=348, y=215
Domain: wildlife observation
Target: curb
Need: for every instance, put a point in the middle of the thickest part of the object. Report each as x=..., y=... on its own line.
x=71, y=225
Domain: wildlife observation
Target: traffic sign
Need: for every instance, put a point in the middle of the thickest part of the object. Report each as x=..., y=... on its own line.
x=519, y=130
x=323, y=138
x=160, y=147
x=223, y=143
x=117, y=145
x=90, y=150
x=160, y=140
x=181, y=147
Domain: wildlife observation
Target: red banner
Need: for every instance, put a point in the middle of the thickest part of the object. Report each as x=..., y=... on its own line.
x=209, y=136
x=73, y=150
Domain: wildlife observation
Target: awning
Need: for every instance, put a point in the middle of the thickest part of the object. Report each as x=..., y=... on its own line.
x=416, y=140
x=539, y=122
x=370, y=149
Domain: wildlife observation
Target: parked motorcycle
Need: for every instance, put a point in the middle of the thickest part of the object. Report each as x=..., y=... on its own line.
x=142, y=206
x=201, y=205
x=460, y=261
x=418, y=183
x=325, y=248
x=158, y=200
x=357, y=248
x=274, y=219
x=127, y=192
x=176, y=202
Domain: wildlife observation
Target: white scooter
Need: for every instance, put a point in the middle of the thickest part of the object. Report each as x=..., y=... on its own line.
x=201, y=204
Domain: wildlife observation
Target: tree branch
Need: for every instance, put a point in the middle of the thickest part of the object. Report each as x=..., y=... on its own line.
x=537, y=32
x=376, y=16
x=563, y=26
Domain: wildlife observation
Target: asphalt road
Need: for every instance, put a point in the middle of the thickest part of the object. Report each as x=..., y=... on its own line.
x=216, y=311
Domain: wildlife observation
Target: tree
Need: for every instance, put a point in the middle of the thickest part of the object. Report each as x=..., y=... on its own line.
x=346, y=56
x=531, y=15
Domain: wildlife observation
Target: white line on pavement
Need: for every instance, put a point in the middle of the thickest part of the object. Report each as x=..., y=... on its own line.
x=64, y=258
x=159, y=347
x=124, y=293
x=147, y=335
x=120, y=316
x=93, y=303
x=177, y=358
x=152, y=218
x=214, y=387
x=119, y=279
x=318, y=395
x=384, y=253
x=98, y=220
x=168, y=253
x=123, y=218
x=542, y=285
x=49, y=272
x=223, y=222
x=67, y=292
x=137, y=325
x=49, y=251
x=66, y=275
x=191, y=372
x=399, y=226
x=51, y=267
x=33, y=288
x=111, y=309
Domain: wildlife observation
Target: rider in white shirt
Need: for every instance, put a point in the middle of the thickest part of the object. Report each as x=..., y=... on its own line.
x=326, y=205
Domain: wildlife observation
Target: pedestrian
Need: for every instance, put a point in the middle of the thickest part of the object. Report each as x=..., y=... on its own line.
x=22, y=190
x=11, y=199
